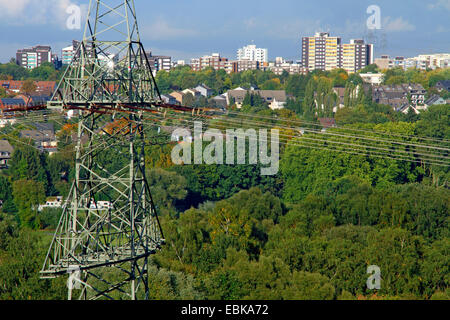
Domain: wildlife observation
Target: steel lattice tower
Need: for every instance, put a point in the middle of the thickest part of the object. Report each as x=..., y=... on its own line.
x=110, y=83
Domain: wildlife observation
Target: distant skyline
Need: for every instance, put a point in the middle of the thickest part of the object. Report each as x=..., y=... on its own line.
x=188, y=29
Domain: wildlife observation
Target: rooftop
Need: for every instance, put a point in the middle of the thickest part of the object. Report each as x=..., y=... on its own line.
x=5, y=146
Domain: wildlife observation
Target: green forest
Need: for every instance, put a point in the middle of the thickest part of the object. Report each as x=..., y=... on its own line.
x=308, y=233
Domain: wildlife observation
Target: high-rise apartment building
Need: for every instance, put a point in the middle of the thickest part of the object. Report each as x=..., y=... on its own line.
x=31, y=58
x=323, y=52
x=355, y=56
x=252, y=53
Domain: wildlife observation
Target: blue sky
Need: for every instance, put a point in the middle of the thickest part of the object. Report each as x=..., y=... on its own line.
x=186, y=29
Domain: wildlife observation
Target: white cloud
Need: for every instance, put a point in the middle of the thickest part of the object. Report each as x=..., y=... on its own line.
x=37, y=12
x=12, y=8
x=440, y=4
x=162, y=29
x=352, y=28
x=397, y=25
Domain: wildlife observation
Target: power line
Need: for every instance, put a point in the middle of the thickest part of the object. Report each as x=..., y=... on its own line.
x=316, y=146
x=338, y=127
x=389, y=156
x=346, y=143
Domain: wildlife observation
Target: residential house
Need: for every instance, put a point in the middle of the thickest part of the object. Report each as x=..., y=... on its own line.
x=43, y=88
x=340, y=93
x=394, y=96
x=221, y=101
x=276, y=99
x=204, y=90
x=417, y=94
x=196, y=94
x=443, y=85
x=178, y=96
x=6, y=104
x=167, y=98
x=6, y=151
x=44, y=137
x=435, y=100
x=33, y=100
x=397, y=96
x=51, y=203
x=406, y=108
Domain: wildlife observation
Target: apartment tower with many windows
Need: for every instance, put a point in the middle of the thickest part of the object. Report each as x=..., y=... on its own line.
x=323, y=52
x=31, y=58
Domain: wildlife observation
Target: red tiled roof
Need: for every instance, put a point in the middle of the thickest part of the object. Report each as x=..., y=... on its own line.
x=42, y=87
x=327, y=122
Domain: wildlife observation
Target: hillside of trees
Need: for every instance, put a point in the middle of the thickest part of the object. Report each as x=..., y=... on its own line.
x=310, y=232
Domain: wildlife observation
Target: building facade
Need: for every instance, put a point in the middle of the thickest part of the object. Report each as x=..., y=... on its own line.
x=400, y=96
x=422, y=62
x=276, y=99
x=242, y=65
x=70, y=52
x=320, y=52
x=6, y=151
x=372, y=78
x=323, y=52
x=67, y=55
x=158, y=63
x=214, y=61
x=281, y=65
x=34, y=57
x=252, y=53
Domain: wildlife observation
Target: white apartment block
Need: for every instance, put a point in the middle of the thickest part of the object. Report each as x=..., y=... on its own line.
x=431, y=61
x=67, y=55
x=252, y=53
x=280, y=65
x=422, y=62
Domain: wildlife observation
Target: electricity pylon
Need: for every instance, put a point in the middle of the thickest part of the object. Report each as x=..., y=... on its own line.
x=109, y=227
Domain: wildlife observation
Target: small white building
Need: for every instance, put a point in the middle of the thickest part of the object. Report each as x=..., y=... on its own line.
x=204, y=90
x=51, y=203
x=372, y=78
x=101, y=205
